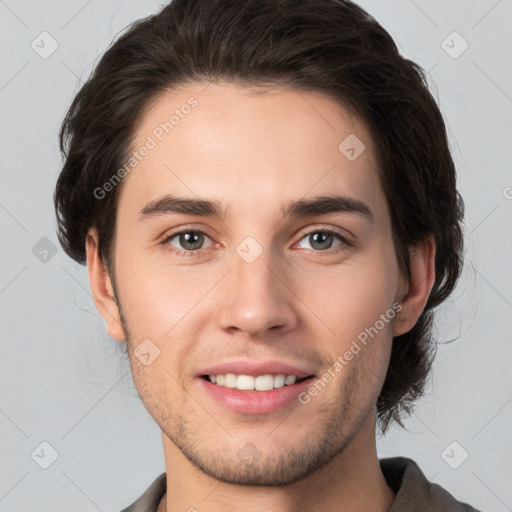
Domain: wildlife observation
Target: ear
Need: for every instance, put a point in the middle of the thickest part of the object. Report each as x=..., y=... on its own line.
x=422, y=277
x=102, y=289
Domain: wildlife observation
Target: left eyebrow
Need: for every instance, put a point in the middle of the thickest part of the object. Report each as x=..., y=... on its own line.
x=320, y=205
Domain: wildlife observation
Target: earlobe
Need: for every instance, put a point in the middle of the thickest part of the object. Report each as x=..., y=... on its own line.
x=422, y=278
x=101, y=288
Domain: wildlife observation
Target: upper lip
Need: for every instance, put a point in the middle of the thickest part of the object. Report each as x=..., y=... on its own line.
x=245, y=367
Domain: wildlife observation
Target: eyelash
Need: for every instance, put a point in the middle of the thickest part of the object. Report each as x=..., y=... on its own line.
x=195, y=253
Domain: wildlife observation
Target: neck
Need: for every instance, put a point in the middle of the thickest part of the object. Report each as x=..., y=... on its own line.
x=352, y=481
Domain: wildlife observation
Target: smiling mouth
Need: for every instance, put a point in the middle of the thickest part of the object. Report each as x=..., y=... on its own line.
x=254, y=383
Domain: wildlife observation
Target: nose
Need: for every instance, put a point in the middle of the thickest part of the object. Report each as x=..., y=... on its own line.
x=257, y=297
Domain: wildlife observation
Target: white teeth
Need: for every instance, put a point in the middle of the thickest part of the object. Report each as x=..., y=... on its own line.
x=279, y=381
x=248, y=382
x=263, y=383
x=290, y=380
x=245, y=382
x=230, y=380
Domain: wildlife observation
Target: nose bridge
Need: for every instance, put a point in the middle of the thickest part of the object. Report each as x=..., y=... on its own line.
x=253, y=272
x=256, y=298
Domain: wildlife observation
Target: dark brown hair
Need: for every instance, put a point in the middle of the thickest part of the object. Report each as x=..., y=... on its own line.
x=330, y=46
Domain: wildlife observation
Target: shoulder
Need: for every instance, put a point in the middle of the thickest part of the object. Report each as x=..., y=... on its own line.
x=149, y=500
x=414, y=491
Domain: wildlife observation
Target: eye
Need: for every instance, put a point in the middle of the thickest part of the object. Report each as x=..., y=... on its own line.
x=322, y=240
x=189, y=241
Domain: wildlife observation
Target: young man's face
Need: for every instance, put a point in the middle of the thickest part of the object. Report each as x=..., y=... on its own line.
x=257, y=287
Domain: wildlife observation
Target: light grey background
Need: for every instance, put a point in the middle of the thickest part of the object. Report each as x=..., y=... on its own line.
x=64, y=382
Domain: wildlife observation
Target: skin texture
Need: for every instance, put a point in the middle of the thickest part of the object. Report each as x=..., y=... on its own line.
x=301, y=302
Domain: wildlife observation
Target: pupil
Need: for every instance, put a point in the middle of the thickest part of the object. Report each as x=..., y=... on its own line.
x=320, y=235
x=188, y=238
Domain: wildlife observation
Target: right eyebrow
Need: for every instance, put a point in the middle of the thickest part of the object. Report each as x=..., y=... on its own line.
x=187, y=206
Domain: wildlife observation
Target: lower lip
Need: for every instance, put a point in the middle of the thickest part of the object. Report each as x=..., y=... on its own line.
x=255, y=402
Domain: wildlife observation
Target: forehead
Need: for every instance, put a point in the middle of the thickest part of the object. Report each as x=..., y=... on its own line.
x=247, y=146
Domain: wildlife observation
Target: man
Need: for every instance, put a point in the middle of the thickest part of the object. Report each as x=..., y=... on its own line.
x=265, y=199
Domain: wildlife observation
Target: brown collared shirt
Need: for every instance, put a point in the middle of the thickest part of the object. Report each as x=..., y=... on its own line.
x=414, y=493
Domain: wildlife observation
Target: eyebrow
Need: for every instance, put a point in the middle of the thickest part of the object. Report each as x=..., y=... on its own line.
x=320, y=205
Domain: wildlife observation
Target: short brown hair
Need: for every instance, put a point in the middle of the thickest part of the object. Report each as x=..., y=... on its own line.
x=330, y=46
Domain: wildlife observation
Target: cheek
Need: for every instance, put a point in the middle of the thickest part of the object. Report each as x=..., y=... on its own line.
x=156, y=385
x=351, y=297
x=154, y=297
x=357, y=304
